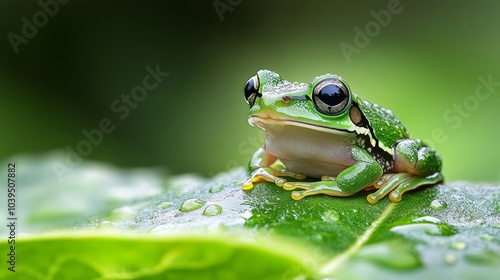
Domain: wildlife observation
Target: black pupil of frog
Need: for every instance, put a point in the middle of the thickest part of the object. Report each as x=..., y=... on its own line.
x=331, y=95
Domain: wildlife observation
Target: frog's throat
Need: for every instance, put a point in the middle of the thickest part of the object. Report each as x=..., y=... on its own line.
x=262, y=122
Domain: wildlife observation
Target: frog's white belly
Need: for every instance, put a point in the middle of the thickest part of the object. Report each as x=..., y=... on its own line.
x=310, y=152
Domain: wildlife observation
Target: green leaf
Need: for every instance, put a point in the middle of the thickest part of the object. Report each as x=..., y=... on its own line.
x=90, y=256
x=211, y=229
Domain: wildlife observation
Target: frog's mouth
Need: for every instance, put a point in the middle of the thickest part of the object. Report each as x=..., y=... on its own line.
x=274, y=123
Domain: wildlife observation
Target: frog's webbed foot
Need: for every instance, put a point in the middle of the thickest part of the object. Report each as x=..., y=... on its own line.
x=267, y=174
x=396, y=184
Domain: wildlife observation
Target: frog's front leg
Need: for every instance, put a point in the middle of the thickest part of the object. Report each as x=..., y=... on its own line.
x=261, y=170
x=360, y=175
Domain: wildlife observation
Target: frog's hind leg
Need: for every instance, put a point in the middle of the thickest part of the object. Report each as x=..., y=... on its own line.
x=414, y=157
x=414, y=183
x=415, y=165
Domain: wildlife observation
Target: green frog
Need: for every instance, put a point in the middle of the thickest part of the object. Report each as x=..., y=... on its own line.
x=325, y=132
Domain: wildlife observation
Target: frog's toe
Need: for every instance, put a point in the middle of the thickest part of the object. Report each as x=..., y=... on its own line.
x=290, y=186
x=414, y=183
x=298, y=195
x=319, y=188
x=262, y=175
x=386, y=184
x=287, y=173
x=327, y=178
x=383, y=180
x=248, y=185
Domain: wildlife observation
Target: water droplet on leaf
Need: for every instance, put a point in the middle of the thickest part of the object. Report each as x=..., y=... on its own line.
x=438, y=205
x=212, y=210
x=164, y=205
x=122, y=213
x=191, y=204
x=487, y=237
x=428, y=225
x=216, y=188
x=246, y=215
x=483, y=257
x=427, y=219
x=393, y=254
x=458, y=245
x=450, y=259
x=330, y=216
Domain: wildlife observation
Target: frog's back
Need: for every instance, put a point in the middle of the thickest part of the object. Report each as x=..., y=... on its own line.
x=387, y=129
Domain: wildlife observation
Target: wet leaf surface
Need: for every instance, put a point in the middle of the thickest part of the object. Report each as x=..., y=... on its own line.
x=210, y=229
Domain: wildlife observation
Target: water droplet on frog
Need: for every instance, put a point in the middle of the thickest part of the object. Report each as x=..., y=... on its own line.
x=216, y=188
x=330, y=216
x=212, y=210
x=450, y=259
x=191, y=204
x=428, y=225
x=165, y=205
x=438, y=204
x=458, y=245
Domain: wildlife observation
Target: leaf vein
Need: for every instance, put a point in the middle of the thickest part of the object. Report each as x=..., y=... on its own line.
x=330, y=266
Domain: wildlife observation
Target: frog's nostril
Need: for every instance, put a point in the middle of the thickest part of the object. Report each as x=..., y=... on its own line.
x=286, y=99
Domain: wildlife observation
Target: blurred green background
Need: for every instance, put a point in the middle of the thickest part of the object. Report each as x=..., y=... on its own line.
x=424, y=63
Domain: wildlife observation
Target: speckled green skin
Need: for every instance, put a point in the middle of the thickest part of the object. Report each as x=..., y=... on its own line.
x=387, y=129
x=384, y=155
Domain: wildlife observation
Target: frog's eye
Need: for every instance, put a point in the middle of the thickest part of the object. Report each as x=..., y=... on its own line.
x=331, y=96
x=252, y=90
